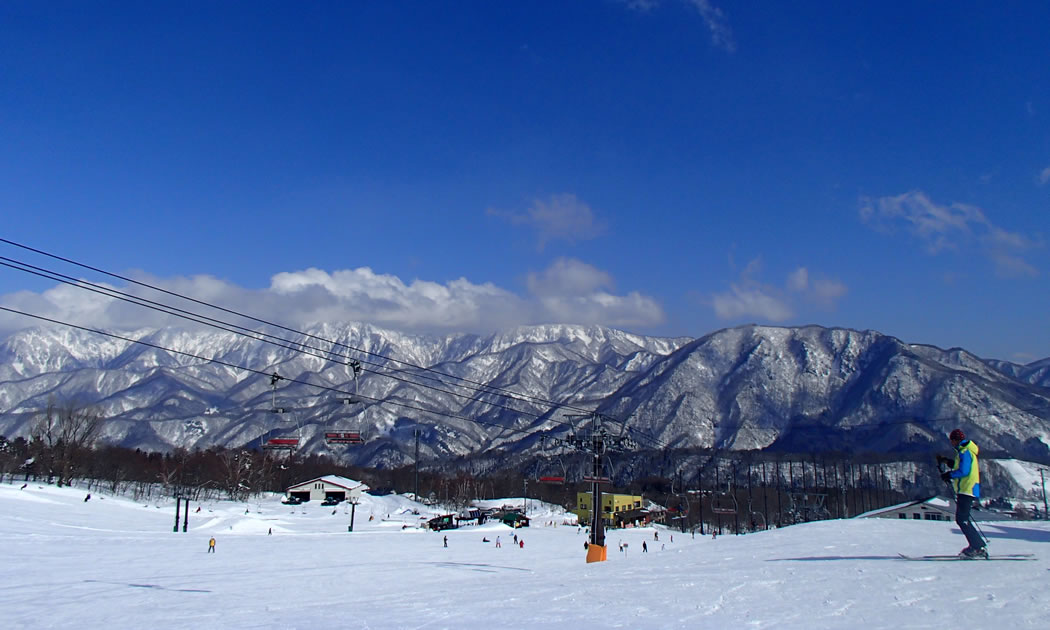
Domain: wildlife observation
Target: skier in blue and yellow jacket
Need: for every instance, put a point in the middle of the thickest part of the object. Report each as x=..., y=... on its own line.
x=965, y=478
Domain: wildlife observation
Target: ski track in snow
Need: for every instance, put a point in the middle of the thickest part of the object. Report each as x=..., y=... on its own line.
x=114, y=563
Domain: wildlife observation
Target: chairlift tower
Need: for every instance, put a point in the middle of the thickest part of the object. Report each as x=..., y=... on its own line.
x=596, y=441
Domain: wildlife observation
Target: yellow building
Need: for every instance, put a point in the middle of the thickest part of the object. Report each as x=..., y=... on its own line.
x=612, y=504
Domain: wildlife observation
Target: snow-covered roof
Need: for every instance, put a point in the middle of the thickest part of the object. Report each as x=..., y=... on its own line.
x=935, y=502
x=334, y=480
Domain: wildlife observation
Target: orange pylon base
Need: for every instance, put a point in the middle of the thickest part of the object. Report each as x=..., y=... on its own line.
x=595, y=553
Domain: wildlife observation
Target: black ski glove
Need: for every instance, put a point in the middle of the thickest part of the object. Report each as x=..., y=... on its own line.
x=946, y=476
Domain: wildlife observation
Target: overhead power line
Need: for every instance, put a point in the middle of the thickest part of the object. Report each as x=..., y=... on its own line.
x=296, y=345
x=280, y=342
x=487, y=388
x=380, y=401
x=414, y=371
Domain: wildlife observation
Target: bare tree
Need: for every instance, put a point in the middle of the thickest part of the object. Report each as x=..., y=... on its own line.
x=63, y=437
x=237, y=467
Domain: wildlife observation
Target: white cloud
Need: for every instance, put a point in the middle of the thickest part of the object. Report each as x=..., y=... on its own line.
x=826, y=291
x=569, y=292
x=567, y=277
x=561, y=217
x=641, y=5
x=747, y=302
x=1044, y=176
x=798, y=280
x=958, y=226
x=717, y=24
x=750, y=298
x=714, y=18
x=573, y=291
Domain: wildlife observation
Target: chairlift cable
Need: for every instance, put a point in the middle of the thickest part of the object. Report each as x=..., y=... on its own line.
x=202, y=319
x=259, y=336
x=489, y=388
x=381, y=401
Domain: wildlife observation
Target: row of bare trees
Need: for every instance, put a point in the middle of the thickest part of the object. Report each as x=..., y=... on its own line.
x=63, y=447
x=706, y=490
x=59, y=443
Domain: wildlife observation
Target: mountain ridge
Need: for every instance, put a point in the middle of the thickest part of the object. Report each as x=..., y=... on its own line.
x=747, y=387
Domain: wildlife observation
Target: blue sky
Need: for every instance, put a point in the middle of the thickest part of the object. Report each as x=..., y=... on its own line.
x=666, y=167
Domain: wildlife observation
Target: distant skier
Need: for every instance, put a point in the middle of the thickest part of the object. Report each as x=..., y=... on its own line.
x=23, y=486
x=965, y=480
x=211, y=545
x=645, y=548
x=87, y=498
x=656, y=535
x=269, y=532
x=521, y=543
x=446, y=541
x=498, y=545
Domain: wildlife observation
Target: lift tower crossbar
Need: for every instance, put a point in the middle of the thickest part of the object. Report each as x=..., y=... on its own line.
x=596, y=441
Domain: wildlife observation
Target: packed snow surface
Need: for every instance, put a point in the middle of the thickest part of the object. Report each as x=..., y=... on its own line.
x=113, y=563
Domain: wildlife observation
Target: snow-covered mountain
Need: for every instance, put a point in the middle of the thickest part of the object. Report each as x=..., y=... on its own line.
x=803, y=389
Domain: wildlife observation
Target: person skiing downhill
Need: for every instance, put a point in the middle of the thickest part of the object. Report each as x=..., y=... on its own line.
x=965, y=480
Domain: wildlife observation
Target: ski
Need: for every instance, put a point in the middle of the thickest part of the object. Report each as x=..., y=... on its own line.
x=944, y=558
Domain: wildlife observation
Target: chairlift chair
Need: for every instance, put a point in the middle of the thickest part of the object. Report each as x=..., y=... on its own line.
x=282, y=443
x=723, y=503
x=332, y=437
x=553, y=470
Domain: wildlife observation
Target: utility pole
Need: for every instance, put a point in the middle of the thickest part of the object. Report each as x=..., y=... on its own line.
x=681, y=489
x=353, y=501
x=700, y=493
x=186, y=515
x=415, y=487
x=525, y=497
x=765, y=499
x=1042, y=483
x=596, y=441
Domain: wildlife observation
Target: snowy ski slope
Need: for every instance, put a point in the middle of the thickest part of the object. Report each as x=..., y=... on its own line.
x=113, y=563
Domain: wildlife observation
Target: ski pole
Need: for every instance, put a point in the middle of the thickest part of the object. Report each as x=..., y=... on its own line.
x=942, y=467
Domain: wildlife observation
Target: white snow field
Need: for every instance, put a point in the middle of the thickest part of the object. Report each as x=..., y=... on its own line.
x=113, y=563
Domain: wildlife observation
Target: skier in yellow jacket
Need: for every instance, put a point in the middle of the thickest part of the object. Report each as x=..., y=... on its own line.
x=965, y=478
